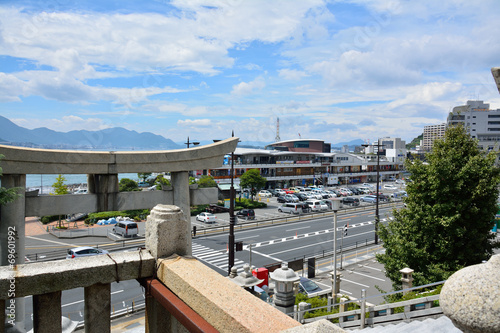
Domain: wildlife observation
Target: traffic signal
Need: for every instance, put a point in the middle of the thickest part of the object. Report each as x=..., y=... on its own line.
x=345, y=229
x=239, y=246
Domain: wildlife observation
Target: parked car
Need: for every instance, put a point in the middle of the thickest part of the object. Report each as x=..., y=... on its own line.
x=126, y=229
x=302, y=196
x=283, y=199
x=368, y=185
x=317, y=205
x=390, y=187
x=265, y=193
x=350, y=201
x=279, y=192
x=292, y=198
x=84, y=251
x=247, y=214
x=288, y=191
x=368, y=198
x=291, y=208
x=355, y=191
x=308, y=287
x=206, y=217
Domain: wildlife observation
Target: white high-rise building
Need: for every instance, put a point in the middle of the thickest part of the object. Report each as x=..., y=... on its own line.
x=480, y=122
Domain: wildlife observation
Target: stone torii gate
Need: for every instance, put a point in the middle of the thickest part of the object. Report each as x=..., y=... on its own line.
x=102, y=169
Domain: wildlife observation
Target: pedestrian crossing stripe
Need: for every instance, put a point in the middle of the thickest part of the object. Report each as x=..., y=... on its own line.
x=215, y=258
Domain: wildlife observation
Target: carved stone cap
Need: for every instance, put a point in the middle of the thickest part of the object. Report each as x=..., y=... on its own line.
x=471, y=297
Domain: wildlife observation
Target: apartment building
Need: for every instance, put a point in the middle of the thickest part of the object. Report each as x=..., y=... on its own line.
x=431, y=134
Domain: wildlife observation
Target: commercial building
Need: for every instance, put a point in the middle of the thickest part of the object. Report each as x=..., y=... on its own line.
x=481, y=123
x=310, y=162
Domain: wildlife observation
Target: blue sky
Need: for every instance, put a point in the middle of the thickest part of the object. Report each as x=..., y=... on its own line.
x=332, y=70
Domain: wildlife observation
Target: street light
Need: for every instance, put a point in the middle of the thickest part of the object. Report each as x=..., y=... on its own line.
x=195, y=143
x=335, y=208
x=377, y=217
x=231, y=216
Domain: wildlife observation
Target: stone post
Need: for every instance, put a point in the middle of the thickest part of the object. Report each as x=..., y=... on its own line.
x=47, y=312
x=303, y=307
x=166, y=232
x=165, y=235
x=12, y=233
x=180, y=184
x=97, y=308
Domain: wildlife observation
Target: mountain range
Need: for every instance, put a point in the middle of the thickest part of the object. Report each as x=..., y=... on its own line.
x=108, y=139
x=111, y=138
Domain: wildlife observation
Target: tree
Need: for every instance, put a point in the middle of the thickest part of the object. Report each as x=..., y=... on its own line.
x=60, y=189
x=7, y=194
x=144, y=176
x=206, y=181
x=253, y=180
x=128, y=185
x=450, y=207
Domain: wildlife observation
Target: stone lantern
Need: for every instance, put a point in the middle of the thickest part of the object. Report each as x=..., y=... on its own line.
x=245, y=279
x=406, y=278
x=284, y=279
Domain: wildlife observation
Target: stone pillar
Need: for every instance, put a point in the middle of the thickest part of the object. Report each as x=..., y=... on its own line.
x=166, y=232
x=106, y=187
x=406, y=278
x=303, y=307
x=180, y=184
x=47, y=313
x=98, y=308
x=12, y=233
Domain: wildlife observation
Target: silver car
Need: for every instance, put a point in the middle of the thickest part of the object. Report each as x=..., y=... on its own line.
x=84, y=251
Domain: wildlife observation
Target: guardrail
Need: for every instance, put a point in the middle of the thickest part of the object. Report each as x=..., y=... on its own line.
x=380, y=314
x=285, y=219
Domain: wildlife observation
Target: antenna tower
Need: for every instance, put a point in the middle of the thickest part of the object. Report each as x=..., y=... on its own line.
x=277, y=130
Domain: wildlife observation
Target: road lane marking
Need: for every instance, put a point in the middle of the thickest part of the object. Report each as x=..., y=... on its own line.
x=51, y=241
x=363, y=285
x=308, y=227
x=366, y=275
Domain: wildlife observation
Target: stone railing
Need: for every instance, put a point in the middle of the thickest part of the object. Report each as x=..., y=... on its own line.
x=182, y=294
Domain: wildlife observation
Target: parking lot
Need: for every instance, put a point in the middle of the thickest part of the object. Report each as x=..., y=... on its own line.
x=271, y=211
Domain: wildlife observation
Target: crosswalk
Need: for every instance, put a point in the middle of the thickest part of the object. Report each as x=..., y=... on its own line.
x=219, y=258
x=215, y=258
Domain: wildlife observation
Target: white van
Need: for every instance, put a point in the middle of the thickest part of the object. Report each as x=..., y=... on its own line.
x=292, y=208
x=126, y=229
x=316, y=205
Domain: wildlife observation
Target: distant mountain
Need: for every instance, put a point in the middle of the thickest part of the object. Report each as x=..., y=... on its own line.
x=351, y=144
x=111, y=138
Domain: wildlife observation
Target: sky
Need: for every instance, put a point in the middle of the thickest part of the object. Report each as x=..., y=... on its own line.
x=335, y=70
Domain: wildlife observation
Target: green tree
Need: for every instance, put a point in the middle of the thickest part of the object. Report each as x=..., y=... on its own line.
x=7, y=194
x=451, y=203
x=161, y=180
x=144, y=176
x=206, y=181
x=60, y=189
x=253, y=180
x=128, y=185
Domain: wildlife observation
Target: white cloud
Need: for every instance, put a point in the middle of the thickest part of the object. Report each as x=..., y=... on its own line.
x=195, y=123
x=291, y=74
x=246, y=88
x=64, y=124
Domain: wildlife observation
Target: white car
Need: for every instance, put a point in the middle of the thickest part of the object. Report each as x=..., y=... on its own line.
x=84, y=251
x=206, y=217
x=390, y=187
x=265, y=193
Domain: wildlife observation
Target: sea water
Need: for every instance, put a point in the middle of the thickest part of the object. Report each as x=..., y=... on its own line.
x=45, y=182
